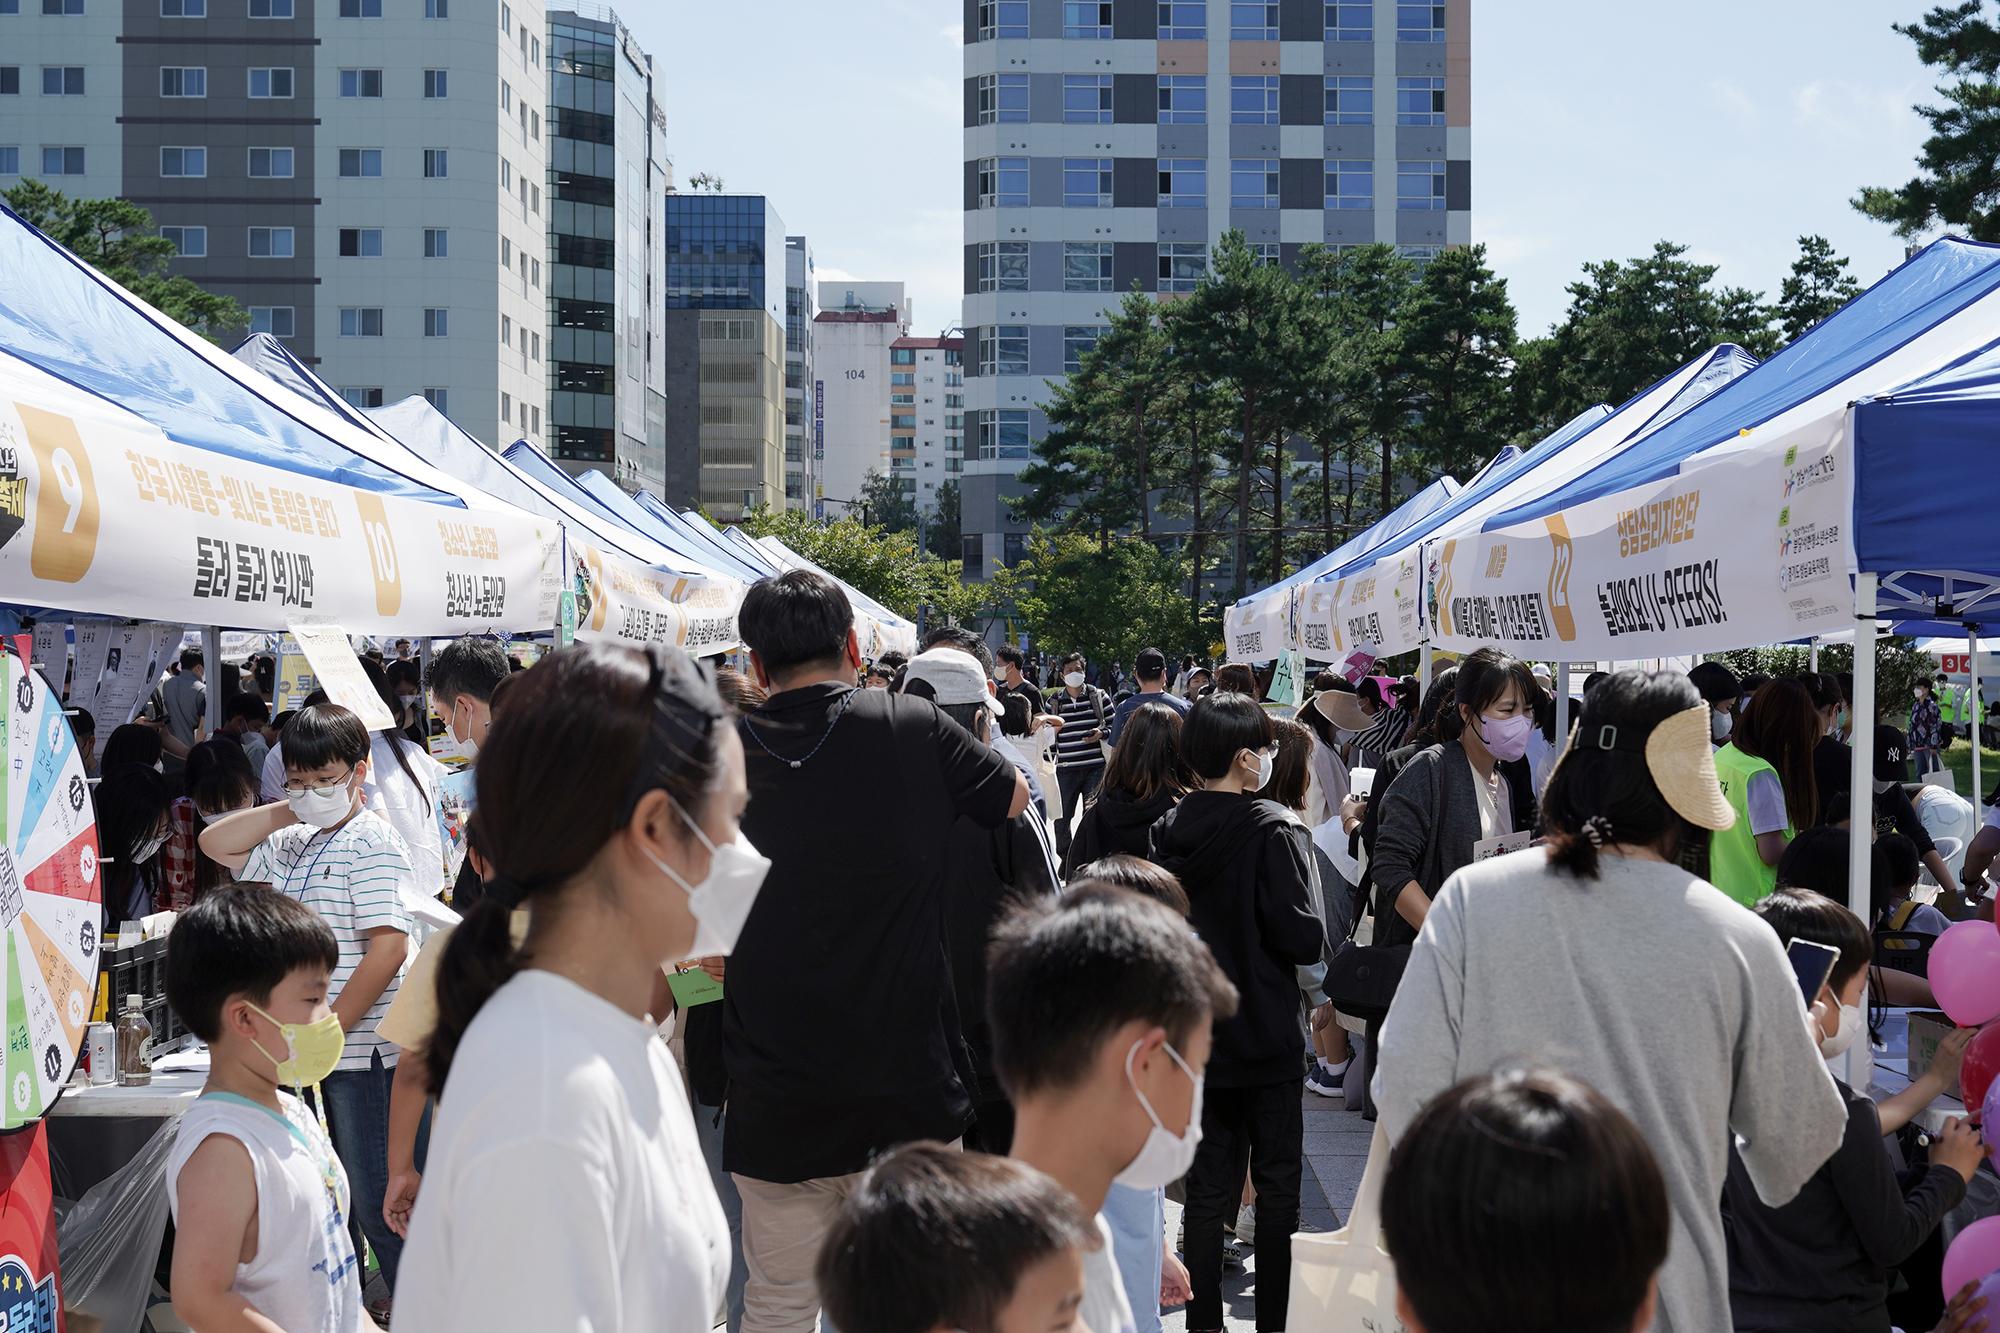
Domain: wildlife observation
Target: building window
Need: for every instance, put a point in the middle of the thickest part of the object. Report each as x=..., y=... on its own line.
x=1256, y=22
x=902, y=378
x=1420, y=186
x=1350, y=185
x=183, y=9
x=1182, y=21
x=1087, y=266
x=1420, y=101
x=902, y=421
x=437, y=9
x=1078, y=339
x=506, y=174
x=1183, y=99
x=10, y=159
x=189, y=242
x=361, y=83
x=363, y=321
x=1087, y=19
x=507, y=407
x=62, y=80
x=435, y=163
x=1003, y=350
x=280, y=321
x=1350, y=23
x=361, y=242
x=362, y=395
x=436, y=243
x=1183, y=182
x=361, y=9
x=1003, y=98
x=534, y=347
x=437, y=322
x=184, y=81
x=506, y=95
x=1253, y=182
x=1086, y=182
x=64, y=161
x=435, y=83
x=271, y=163
x=1253, y=100
x=271, y=81
x=1419, y=255
x=1419, y=23
x=1002, y=434
x=183, y=162
x=66, y=8
x=1002, y=18
x=1182, y=265
x=271, y=242
x=270, y=9
x=507, y=19
x=507, y=332
x=1350, y=99
x=1003, y=182
x=361, y=162
x=1087, y=99
x=10, y=80
x=506, y=252
x=1003, y=267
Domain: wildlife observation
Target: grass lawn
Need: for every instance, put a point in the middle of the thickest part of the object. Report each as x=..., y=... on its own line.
x=1959, y=760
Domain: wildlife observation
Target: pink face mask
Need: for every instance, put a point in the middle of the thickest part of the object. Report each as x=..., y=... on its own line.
x=1506, y=738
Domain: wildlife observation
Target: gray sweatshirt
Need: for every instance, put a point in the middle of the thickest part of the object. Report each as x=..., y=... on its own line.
x=1656, y=989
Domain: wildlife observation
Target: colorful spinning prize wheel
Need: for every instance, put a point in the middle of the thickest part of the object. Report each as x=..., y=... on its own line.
x=49, y=894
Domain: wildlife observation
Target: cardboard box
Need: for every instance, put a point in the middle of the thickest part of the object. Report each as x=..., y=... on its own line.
x=1927, y=1029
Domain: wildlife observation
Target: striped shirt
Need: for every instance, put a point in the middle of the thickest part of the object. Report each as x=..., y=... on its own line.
x=353, y=877
x=1081, y=716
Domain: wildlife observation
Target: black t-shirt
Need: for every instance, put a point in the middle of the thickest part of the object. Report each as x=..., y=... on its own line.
x=837, y=1026
x=1028, y=690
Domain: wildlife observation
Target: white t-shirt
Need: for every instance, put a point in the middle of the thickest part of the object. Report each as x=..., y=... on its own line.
x=354, y=878
x=564, y=1157
x=306, y=1277
x=410, y=807
x=1105, y=1306
x=1496, y=805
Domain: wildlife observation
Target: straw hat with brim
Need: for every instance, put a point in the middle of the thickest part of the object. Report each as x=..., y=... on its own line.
x=1342, y=709
x=1678, y=758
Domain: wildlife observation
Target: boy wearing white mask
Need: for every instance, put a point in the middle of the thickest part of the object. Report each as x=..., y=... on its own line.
x=259, y=1197
x=1245, y=864
x=1823, y=1260
x=1100, y=1009
x=324, y=847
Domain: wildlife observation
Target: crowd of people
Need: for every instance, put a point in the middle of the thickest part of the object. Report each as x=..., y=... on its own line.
x=910, y=994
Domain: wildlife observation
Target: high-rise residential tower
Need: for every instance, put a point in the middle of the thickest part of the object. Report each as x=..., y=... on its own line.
x=1113, y=142
x=608, y=178
x=802, y=457
x=857, y=324
x=367, y=177
x=725, y=341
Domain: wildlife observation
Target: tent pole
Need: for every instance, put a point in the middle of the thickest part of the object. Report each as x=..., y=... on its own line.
x=1972, y=723
x=1562, y=703
x=1812, y=655
x=1860, y=783
x=1424, y=668
x=211, y=656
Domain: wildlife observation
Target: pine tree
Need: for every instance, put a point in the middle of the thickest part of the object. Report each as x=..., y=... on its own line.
x=1817, y=286
x=1958, y=184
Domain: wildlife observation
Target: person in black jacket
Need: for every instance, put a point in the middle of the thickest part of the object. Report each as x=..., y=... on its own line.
x=1244, y=863
x=1141, y=783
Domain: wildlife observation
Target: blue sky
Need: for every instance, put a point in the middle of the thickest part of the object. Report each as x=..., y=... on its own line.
x=1599, y=126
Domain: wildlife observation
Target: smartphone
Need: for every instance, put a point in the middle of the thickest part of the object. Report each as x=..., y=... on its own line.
x=1812, y=964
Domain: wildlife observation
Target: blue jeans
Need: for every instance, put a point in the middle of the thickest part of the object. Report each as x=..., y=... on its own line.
x=708, y=1128
x=357, y=1113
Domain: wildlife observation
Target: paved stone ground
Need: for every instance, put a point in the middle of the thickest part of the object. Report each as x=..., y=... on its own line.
x=1336, y=1144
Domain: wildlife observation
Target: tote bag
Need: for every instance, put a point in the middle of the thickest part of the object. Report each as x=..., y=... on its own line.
x=1345, y=1282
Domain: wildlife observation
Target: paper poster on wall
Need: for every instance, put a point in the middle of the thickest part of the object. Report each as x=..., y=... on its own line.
x=52, y=650
x=295, y=676
x=339, y=673
x=93, y=643
x=128, y=676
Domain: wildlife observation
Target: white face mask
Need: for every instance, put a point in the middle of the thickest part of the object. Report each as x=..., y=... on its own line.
x=721, y=903
x=323, y=808
x=1165, y=1156
x=1852, y=1020
x=1719, y=726
x=148, y=849
x=1266, y=761
x=467, y=748
x=1073, y=679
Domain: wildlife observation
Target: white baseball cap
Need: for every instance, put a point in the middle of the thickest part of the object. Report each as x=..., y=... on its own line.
x=954, y=677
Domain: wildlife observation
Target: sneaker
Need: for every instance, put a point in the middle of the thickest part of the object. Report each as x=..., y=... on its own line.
x=1246, y=1225
x=1327, y=1084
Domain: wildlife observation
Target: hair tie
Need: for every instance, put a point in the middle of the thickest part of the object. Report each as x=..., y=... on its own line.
x=506, y=891
x=1597, y=829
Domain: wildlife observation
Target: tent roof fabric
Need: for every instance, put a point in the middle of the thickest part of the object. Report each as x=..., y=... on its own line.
x=1921, y=296
x=62, y=316
x=1412, y=511
x=622, y=507
x=589, y=514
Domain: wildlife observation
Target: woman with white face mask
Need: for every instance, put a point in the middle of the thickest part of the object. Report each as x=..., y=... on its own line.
x=609, y=793
x=132, y=827
x=1245, y=864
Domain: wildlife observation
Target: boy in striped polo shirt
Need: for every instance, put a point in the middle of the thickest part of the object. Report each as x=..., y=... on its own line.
x=325, y=848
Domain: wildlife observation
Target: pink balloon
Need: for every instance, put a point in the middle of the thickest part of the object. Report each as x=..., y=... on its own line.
x=1974, y=1253
x=1965, y=973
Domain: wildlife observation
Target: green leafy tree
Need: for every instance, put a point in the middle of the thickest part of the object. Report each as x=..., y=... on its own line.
x=1106, y=602
x=1817, y=286
x=1456, y=339
x=1898, y=665
x=118, y=239
x=885, y=565
x=1958, y=180
x=886, y=504
x=941, y=533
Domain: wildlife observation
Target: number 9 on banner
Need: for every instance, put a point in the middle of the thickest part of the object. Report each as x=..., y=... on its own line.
x=65, y=535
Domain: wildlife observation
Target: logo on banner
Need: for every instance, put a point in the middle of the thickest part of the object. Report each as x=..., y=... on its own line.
x=1560, y=613
x=1496, y=560
x=381, y=543
x=591, y=607
x=1815, y=473
x=26, y=1302
x=65, y=533
x=1441, y=590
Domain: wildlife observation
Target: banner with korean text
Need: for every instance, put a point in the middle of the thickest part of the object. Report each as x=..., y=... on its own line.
x=1375, y=609
x=620, y=599
x=1751, y=548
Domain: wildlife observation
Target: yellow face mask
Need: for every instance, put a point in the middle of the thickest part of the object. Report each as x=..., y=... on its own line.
x=313, y=1050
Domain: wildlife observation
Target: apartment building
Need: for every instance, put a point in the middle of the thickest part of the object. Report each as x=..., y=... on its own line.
x=857, y=325
x=926, y=417
x=802, y=451
x=1113, y=142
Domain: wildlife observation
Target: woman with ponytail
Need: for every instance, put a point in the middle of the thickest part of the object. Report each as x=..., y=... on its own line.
x=1603, y=957
x=564, y=1152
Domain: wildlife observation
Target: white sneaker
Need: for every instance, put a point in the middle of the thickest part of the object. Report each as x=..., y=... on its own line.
x=1246, y=1224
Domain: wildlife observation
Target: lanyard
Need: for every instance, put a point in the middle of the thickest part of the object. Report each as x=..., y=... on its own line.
x=306, y=882
x=320, y=1159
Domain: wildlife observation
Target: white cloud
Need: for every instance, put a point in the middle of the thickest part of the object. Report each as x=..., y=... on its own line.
x=826, y=274
x=953, y=33
x=1734, y=101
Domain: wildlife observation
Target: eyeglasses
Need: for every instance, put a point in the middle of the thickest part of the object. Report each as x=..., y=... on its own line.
x=338, y=785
